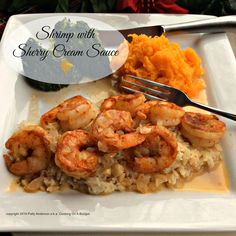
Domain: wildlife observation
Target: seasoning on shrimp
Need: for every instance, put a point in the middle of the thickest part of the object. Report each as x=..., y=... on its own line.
x=29, y=151
x=143, y=111
x=166, y=114
x=113, y=131
x=124, y=102
x=157, y=152
x=74, y=113
x=201, y=129
x=132, y=145
x=73, y=156
x=160, y=113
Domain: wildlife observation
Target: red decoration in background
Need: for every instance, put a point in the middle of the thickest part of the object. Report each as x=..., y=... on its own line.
x=150, y=6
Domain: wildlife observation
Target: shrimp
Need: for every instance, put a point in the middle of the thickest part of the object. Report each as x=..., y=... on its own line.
x=160, y=113
x=125, y=102
x=143, y=111
x=157, y=152
x=166, y=114
x=113, y=131
x=74, y=113
x=73, y=155
x=202, y=130
x=29, y=151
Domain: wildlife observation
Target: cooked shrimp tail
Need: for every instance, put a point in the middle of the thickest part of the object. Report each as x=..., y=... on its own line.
x=157, y=152
x=73, y=156
x=74, y=113
x=202, y=130
x=113, y=131
x=166, y=114
x=160, y=113
x=29, y=151
x=125, y=102
x=28, y=166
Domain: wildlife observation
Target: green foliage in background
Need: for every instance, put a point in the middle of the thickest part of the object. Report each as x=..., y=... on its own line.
x=97, y=6
x=209, y=7
x=21, y=6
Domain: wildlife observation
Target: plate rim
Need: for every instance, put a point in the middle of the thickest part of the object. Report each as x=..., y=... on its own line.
x=109, y=228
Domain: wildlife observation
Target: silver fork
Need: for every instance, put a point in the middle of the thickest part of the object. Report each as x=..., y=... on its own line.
x=166, y=93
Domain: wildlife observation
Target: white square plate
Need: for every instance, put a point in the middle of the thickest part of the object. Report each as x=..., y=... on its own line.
x=164, y=211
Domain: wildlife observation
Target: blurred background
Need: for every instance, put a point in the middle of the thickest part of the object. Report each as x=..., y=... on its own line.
x=208, y=7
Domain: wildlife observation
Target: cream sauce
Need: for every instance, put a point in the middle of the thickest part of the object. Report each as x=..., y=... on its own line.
x=216, y=180
x=33, y=113
x=12, y=187
x=95, y=91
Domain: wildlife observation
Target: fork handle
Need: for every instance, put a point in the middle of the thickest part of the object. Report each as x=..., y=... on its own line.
x=213, y=110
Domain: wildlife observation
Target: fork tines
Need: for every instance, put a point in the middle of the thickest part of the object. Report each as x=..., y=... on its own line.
x=161, y=92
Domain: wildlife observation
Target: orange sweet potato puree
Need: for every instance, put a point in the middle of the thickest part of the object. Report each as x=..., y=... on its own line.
x=157, y=59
